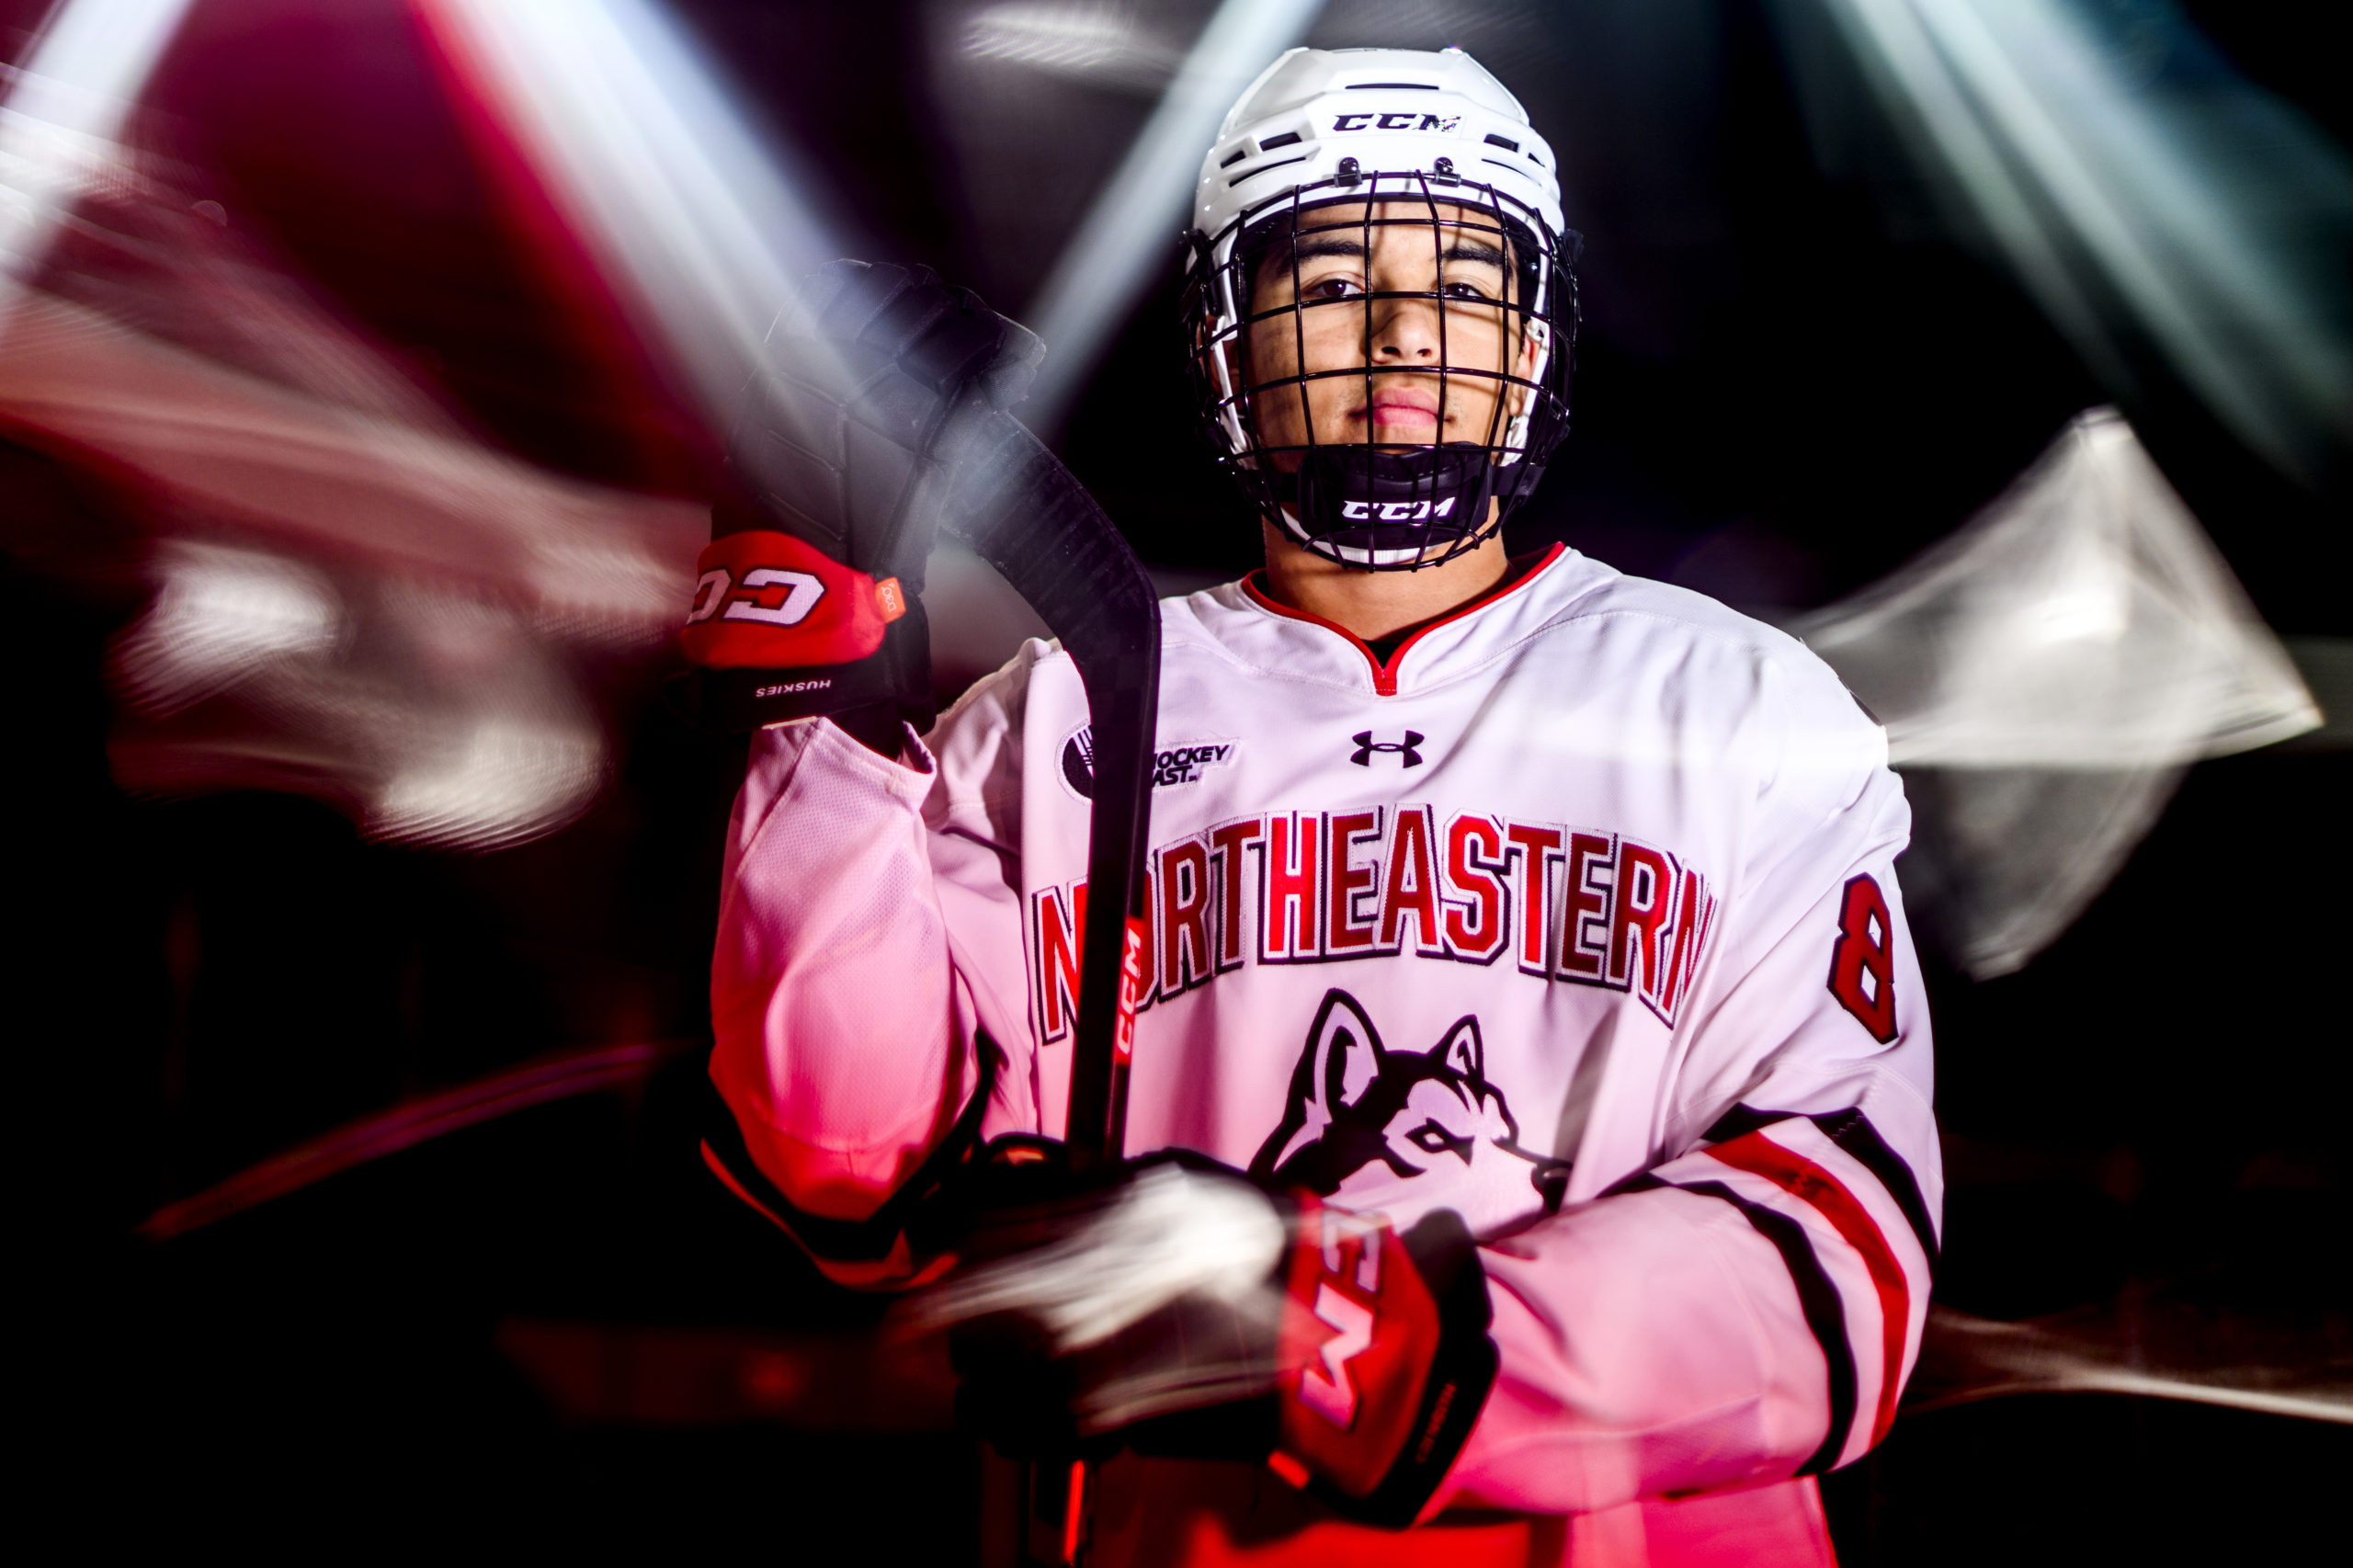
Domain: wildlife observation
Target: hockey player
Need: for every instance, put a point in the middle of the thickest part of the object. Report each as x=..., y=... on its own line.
x=1527, y=986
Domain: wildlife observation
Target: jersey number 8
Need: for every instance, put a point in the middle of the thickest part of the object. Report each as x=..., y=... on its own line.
x=1865, y=946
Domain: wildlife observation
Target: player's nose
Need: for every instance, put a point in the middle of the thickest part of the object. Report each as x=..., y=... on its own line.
x=1406, y=331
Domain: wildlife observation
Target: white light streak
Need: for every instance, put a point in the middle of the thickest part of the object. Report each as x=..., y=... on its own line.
x=2177, y=1355
x=640, y=138
x=222, y=617
x=501, y=781
x=1170, y=1233
x=2054, y=665
x=1133, y=224
x=1088, y=40
x=63, y=110
x=2183, y=208
x=2082, y=620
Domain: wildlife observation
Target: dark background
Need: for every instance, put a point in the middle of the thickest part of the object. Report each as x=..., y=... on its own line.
x=1789, y=382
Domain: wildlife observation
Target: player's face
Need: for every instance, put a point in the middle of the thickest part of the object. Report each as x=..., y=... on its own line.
x=1318, y=298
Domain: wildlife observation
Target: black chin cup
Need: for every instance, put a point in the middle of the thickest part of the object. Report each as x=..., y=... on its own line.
x=1430, y=500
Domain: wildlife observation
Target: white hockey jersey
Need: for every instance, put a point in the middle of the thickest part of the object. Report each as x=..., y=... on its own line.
x=1578, y=916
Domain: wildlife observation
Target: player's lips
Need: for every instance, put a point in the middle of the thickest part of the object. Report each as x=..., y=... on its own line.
x=1402, y=407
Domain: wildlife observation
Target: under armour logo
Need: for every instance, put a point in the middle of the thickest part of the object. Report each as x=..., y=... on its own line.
x=1366, y=745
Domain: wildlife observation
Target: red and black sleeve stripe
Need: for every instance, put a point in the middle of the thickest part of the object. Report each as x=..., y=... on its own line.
x=1826, y=1316
x=1853, y=1132
x=1739, y=1141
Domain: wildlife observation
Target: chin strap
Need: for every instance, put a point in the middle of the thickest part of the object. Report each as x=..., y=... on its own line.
x=1395, y=511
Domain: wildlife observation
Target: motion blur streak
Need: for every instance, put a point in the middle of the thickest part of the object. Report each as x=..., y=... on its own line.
x=63, y=109
x=648, y=156
x=2045, y=674
x=1168, y=1234
x=852, y=1383
x=1090, y=1286
x=1093, y=42
x=221, y=616
x=2275, y=1363
x=1125, y=235
x=2133, y=166
x=559, y=1076
x=391, y=618
x=2082, y=619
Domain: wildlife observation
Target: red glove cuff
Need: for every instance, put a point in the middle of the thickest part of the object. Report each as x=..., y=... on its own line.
x=1359, y=1330
x=766, y=600
x=1384, y=1369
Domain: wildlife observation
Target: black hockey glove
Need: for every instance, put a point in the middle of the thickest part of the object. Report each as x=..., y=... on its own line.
x=1172, y=1306
x=838, y=467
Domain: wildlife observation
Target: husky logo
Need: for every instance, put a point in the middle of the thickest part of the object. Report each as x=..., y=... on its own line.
x=1361, y=1117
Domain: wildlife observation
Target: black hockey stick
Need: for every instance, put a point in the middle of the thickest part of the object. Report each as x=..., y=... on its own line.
x=1044, y=534
x=1039, y=527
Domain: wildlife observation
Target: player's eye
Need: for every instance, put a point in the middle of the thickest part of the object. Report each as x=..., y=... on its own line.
x=1332, y=288
x=1461, y=289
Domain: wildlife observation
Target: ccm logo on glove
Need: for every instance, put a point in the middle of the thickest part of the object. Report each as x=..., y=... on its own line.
x=766, y=600
x=1388, y=1361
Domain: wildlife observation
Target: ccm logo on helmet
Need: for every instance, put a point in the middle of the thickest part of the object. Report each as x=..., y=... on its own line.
x=773, y=596
x=1396, y=511
x=1396, y=119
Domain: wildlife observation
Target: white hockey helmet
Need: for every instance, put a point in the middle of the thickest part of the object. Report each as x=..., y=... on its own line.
x=1362, y=126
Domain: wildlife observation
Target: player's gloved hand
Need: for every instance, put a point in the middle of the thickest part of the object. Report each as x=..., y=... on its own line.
x=870, y=384
x=1171, y=1305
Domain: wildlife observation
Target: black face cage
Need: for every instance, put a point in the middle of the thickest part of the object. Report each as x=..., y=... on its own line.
x=1385, y=507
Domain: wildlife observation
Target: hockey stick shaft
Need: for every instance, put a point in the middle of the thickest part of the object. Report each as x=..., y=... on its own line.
x=1045, y=535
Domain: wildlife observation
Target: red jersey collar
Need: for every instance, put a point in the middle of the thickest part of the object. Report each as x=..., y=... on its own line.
x=1384, y=676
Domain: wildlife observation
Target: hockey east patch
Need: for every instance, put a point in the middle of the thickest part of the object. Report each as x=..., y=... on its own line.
x=1176, y=766
x=1574, y=906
